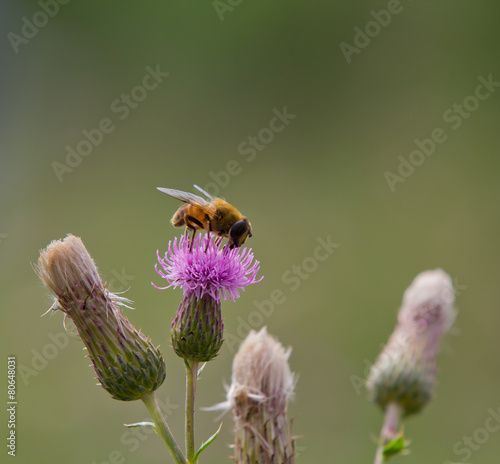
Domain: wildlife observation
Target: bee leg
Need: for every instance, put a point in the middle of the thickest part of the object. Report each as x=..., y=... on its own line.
x=186, y=236
x=208, y=229
x=192, y=240
x=193, y=224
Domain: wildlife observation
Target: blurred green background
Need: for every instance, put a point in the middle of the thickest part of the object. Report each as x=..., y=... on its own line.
x=324, y=175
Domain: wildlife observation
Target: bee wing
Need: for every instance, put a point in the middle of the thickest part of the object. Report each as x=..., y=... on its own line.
x=187, y=197
x=210, y=197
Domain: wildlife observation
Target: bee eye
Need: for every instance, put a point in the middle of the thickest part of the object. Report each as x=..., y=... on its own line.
x=239, y=232
x=239, y=228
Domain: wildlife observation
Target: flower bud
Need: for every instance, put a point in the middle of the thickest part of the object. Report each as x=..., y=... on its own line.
x=405, y=371
x=125, y=361
x=197, y=329
x=261, y=386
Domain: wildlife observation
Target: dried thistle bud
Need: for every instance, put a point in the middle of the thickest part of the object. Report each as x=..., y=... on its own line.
x=405, y=371
x=125, y=361
x=207, y=273
x=261, y=386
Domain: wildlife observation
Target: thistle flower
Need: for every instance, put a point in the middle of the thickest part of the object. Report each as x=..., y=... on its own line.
x=214, y=271
x=207, y=274
x=261, y=386
x=405, y=372
x=125, y=361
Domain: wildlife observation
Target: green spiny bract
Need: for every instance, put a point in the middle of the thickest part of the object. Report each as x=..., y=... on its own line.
x=197, y=329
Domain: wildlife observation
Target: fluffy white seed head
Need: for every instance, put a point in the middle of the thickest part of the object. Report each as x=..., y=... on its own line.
x=261, y=370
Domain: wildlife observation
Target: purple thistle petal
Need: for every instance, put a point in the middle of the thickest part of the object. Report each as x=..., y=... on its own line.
x=218, y=272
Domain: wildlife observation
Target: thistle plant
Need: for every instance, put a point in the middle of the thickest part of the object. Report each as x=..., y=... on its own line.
x=403, y=378
x=127, y=364
x=130, y=367
x=207, y=274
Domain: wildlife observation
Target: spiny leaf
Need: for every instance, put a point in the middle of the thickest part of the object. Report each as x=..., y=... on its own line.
x=395, y=446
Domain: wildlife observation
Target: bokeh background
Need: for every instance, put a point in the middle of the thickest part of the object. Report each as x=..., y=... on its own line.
x=324, y=176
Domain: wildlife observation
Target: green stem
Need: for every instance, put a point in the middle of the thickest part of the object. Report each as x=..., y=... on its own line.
x=162, y=428
x=389, y=431
x=191, y=378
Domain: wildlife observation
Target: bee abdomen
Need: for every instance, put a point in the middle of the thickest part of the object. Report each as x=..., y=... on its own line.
x=178, y=218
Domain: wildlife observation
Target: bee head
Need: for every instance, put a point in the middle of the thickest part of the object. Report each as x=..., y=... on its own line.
x=239, y=233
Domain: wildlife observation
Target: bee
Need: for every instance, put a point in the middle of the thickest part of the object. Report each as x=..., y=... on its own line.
x=216, y=216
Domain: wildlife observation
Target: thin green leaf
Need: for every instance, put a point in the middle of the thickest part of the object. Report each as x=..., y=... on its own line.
x=205, y=444
x=141, y=424
x=200, y=370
